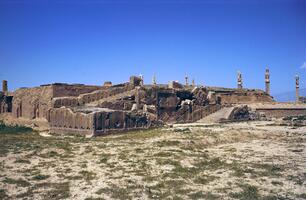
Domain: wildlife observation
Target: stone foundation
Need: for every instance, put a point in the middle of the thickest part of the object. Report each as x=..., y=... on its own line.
x=281, y=112
x=95, y=121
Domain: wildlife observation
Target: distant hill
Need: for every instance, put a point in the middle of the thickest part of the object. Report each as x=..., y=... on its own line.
x=289, y=96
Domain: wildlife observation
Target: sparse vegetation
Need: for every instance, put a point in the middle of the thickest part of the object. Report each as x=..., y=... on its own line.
x=58, y=191
x=40, y=177
x=6, y=129
x=201, y=195
x=249, y=192
x=88, y=176
x=19, y=182
x=155, y=164
x=299, y=117
x=3, y=194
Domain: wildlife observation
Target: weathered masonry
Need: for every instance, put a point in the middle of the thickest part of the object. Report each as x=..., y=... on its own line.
x=99, y=110
x=31, y=103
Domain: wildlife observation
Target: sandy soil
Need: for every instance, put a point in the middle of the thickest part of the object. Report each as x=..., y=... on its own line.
x=249, y=160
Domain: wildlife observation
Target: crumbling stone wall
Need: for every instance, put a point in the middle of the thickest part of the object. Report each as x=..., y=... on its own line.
x=302, y=99
x=119, y=120
x=64, y=119
x=66, y=90
x=86, y=98
x=32, y=103
x=104, y=93
x=240, y=113
x=65, y=101
x=102, y=121
x=242, y=96
x=182, y=105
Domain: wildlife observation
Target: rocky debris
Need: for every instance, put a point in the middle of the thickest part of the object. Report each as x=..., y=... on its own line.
x=175, y=85
x=107, y=84
x=240, y=113
x=200, y=96
x=297, y=121
x=135, y=81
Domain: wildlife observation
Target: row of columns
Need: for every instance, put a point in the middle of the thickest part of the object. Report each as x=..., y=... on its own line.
x=154, y=80
x=267, y=83
x=240, y=83
x=297, y=87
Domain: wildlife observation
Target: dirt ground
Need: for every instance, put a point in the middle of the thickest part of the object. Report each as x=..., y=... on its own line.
x=247, y=160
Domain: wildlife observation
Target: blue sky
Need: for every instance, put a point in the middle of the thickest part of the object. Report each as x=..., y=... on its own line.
x=93, y=41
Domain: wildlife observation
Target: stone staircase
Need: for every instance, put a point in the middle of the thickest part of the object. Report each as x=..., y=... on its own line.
x=112, y=98
x=223, y=113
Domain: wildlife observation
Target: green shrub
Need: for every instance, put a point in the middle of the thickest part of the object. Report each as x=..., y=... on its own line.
x=7, y=129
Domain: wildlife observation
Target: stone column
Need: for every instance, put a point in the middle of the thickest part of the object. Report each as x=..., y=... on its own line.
x=267, y=81
x=297, y=86
x=141, y=77
x=239, y=80
x=193, y=83
x=157, y=105
x=137, y=98
x=4, y=86
x=154, y=80
x=186, y=80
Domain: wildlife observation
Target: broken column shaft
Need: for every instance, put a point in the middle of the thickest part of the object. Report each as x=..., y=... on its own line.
x=297, y=86
x=4, y=86
x=267, y=81
x=239, y=80
x=186, y=80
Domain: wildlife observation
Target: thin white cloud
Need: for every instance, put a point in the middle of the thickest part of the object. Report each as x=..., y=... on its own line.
x=303, y=65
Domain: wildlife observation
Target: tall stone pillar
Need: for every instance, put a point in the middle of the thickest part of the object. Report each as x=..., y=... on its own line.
x=4, y=86
x=186, y=80
x=141, y=77
x=239, y=80
x=154, y=80
x=193, y=83
x=267, y=81
x=137, y=98
x=297, y=86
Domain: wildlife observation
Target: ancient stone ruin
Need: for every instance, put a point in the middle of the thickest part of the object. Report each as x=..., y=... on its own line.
x=99, y=110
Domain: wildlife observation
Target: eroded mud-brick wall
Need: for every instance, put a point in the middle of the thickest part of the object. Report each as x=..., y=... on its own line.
x=182, y=105
x=119, y=120
x=32, y=103
x=64, y=120
x=104, y=93
x=84, y=98
x=35, y=102
x=67, y=119
x=65, y=101
x=66, y=90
